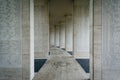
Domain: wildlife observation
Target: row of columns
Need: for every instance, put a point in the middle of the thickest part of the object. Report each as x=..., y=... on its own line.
x=72, y=34
x=17, y=30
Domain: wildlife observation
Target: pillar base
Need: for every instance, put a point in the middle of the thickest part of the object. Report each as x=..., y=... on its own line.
x=63, y=48
x=58, y=46
x=49, y=53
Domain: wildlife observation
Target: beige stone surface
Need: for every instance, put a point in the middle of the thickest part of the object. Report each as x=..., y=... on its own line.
x=106, y=40
x=61, y=66
x=69, y=31
x=10, y=74
x=15, y=40
x=10, y=40
x=41, y=17
x=62, y=35
x=97, y=12
x=84, y=55
x=97, y=40
x=52, y=35
x=97, y=52
x=57, y=35
x=110, y=39
x=27, y=40
x=81, y=27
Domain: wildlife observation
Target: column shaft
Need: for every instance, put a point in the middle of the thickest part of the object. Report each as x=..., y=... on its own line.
x=62, y=35
x=41, y=29
x=11, y=40
x=81, y=28
x=97, y=40
x=52, y=36
x=57, y=36
x=69, y=33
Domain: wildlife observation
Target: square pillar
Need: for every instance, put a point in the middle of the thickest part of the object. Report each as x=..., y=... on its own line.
x=16, y=40
x=57, y=36
x=52, y=36
x=97, y=40
x=81, y=28
x=69, y=33
x=27, y=39
x=41, y=29
x=62, y=35
x=10, y=40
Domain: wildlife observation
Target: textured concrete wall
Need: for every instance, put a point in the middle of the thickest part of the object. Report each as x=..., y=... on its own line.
x=52, y=36
x=106, y=40
x=57, y=36
x=10, y=40
x=62, y=35
x=110, y=40
x=15, y=40
x=41, y=29
x=81, y=28
x=69, y=33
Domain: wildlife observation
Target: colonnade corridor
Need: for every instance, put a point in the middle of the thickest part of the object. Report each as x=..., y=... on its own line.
x=59, y=39
x=62, y=29
x=61, y=66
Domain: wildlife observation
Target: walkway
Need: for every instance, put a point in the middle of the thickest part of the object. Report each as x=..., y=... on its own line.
x=61, y=66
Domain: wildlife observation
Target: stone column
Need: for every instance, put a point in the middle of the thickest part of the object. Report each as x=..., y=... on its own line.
x=57, y=32
x=81, y=28
x=106, y=40
x=110, y=39
x=41, y=29
x=69, y=33
x=31, y=39
x=16, y=40
x=27, y=39
x=52, y=36
x=10, y=40
x=97, y=44
x=62, y=35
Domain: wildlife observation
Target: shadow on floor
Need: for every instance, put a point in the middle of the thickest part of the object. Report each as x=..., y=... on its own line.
x=38, y=63
x=70, y=52
x=85, y=64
